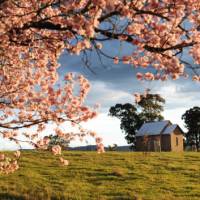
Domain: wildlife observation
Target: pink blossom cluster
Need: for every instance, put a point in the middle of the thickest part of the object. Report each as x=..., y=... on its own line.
x=196, y=78
x=56, y=150
x=100, y=145
x=56, y=105
x=140, y=96
x=155, y=29
x=9, y=165
x=64, y=162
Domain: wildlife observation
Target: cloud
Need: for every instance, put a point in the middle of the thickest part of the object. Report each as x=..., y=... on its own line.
x=108, y=128
x=174, y=115
x=180, y=94
x=107, y=96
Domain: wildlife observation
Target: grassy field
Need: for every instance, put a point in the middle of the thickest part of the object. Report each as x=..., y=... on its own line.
x=113, y=175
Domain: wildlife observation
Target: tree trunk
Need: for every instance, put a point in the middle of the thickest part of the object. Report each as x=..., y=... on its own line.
x=197, y=145
x=197, y=142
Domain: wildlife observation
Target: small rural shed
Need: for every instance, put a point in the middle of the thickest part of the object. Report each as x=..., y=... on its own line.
x=159, y=136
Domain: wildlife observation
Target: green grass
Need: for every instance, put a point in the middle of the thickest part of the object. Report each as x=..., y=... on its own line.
x=112, y=175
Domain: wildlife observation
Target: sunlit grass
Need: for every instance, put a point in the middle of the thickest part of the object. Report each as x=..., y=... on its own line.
x=112, y=175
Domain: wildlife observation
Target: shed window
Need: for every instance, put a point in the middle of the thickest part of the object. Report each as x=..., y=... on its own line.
x=176, y=141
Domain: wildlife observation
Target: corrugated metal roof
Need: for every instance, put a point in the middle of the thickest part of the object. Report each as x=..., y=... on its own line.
x=170, y=129
x=153, y=128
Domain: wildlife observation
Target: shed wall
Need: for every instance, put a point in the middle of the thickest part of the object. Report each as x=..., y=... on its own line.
x=153, y=143
x=166, y=143
x=177, y=135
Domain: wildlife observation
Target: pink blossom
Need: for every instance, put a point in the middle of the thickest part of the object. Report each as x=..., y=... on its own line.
x=46, y=140
x=195, y=78
x=56, y=150
x=139, y=76
x=64, y=162
x=99, y=45
x=100, y=148
x=116, y=60
x=149, y=76
x=17, y=154
x=99, y=140
x=2, y=157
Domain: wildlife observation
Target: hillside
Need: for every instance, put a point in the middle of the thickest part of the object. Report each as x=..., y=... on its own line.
x=113, y=175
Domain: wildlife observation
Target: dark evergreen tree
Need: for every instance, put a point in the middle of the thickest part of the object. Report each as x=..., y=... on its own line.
x=192, y=122
x=130, y=121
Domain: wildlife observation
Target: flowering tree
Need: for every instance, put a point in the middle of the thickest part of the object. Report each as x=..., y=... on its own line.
x=34, y=33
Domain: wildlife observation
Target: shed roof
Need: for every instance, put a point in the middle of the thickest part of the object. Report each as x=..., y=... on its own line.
x=156, y=128
x=170, y=129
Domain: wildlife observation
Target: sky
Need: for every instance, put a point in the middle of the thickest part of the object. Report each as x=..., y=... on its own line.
x=111, y=84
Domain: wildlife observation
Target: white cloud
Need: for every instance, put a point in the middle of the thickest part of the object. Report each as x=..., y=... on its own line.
x=105, y=95
x=174, y=115
x=179, y=95
x=108, y=128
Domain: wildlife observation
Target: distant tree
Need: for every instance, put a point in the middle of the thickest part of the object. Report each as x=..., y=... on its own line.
x=112, y=147
x=130, y=121
x=192, y=122
x=149, y=108
x=56, y=140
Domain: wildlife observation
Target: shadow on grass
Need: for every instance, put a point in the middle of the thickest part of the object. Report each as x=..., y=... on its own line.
x=7, y=196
